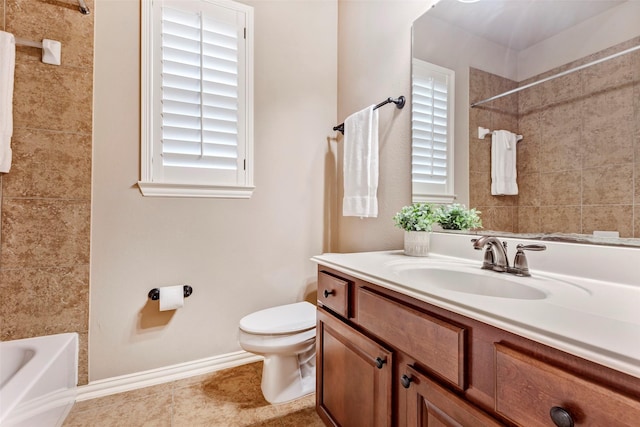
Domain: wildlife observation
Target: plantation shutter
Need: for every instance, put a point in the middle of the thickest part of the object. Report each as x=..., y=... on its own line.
x=201, y=133
x=432, y=130
x=199, y=91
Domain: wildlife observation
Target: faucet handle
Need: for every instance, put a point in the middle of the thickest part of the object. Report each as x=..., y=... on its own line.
x=488, y=261
x=531, y=247
x=520, y=264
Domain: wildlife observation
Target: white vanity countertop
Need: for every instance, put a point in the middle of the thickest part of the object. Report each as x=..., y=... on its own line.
x=593, y=319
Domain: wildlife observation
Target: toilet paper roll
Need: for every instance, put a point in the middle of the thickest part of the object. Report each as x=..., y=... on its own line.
x=171, y=297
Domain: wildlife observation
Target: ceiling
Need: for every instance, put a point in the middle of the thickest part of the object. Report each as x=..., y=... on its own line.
x=530, y=21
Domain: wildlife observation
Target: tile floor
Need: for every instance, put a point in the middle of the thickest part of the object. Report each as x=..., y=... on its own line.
x=228, y=398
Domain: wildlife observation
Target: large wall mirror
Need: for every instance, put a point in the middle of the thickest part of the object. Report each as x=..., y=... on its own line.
x=578, y=162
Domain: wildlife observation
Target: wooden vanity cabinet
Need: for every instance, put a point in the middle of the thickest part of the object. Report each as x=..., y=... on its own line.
x=387, y=359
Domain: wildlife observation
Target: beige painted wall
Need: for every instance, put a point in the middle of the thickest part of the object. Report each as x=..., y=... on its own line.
x=613, y=27
x=374, y=63
x=238, y=255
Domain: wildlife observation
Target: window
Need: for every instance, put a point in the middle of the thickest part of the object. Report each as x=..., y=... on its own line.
x=432, y=133
x=197, y=99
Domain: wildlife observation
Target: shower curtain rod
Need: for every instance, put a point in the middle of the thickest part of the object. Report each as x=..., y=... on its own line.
x=399, y=104
x=82, y=7
x=555, y=76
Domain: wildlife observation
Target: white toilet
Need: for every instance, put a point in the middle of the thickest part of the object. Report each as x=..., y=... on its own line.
x=286, y=336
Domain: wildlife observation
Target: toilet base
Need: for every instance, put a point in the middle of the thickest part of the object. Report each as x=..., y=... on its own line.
x=286, y=378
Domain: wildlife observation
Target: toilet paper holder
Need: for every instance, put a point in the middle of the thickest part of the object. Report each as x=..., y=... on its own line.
x=154, y=294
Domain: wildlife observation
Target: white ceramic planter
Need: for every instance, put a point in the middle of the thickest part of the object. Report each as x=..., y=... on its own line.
x=416, y=243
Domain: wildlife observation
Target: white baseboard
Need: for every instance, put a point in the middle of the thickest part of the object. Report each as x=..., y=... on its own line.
x=180, y=371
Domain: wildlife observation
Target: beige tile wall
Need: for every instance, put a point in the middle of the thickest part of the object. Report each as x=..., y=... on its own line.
x=579, y=161
x=498, y=212
x=46, y=197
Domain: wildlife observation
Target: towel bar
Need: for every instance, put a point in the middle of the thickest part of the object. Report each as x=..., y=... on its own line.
x=51, y=49
x=399, y=105
x=482, y=132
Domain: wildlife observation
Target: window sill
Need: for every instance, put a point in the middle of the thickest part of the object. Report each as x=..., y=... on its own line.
x=155, y=189
x=433, y=198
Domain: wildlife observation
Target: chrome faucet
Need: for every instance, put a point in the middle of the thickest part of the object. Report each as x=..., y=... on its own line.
x=495, y=256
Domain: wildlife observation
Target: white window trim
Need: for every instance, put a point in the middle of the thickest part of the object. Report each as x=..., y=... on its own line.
x=447, y=195
x=147, y=185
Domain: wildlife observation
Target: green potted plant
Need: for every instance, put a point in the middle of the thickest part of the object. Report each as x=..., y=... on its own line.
x=417, y=222
x=458, y=217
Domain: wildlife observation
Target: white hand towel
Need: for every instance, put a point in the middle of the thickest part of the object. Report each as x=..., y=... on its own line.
x=503, y=163
x=361, y=164
x=7, y=67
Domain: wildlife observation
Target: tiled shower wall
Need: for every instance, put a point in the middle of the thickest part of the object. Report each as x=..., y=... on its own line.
x=498, y=213
x=46, y=197
x=579, y=161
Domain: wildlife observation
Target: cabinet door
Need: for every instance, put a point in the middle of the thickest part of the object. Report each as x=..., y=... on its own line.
x=429, y=404
x=354, y=376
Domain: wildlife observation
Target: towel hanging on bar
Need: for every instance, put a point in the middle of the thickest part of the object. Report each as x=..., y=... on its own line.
x=7, y=70
x=361, y=164
x=399, y=105
x=503, y=163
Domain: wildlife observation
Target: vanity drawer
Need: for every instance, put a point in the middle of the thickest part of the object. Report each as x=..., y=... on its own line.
x=527, y=389
x=435, y=343
x=333, y=293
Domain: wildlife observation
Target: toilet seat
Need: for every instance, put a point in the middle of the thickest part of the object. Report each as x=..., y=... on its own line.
x=277, y=343
x=284, y=319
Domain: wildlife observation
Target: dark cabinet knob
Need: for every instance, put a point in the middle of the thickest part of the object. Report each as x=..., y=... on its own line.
x=327, y=293
x=380, y=362
x=406, y=381
x=561, y=417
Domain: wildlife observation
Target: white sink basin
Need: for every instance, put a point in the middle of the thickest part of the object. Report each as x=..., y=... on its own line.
x=480, y=282
x=464, y=278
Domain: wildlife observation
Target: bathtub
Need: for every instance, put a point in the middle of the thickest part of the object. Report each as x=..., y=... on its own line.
x=38, y=378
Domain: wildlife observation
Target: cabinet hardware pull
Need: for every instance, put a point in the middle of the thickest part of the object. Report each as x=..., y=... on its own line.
x=327, y=293
x=406, y=381
x=561, y=417
x=380, y=362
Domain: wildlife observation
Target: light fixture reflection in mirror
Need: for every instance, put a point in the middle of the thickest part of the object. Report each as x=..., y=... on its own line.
x=576, y=168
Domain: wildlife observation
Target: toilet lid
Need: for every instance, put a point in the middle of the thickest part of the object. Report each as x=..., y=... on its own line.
x=282, y=319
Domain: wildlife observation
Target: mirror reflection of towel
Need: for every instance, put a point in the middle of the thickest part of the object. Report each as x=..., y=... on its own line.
x=361, y=164
x=7, y=68
x=503, y=163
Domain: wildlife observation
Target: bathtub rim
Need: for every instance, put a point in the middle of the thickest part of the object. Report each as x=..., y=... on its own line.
x=14, y=391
